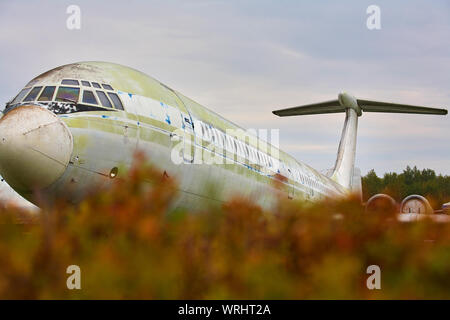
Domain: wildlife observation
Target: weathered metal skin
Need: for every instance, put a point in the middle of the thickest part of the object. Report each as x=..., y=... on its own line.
x=35, y=148
x=80, y=147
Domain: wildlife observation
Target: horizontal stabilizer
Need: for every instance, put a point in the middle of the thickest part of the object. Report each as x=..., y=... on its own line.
x=332, y=106
x=377, y=106
x=335, y=106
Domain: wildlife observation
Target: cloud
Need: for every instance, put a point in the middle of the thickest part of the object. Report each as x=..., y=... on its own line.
x=245, y=59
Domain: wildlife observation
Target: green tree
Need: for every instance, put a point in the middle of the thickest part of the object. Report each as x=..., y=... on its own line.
x=436, y=188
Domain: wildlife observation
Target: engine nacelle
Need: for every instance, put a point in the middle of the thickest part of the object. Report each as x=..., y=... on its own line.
x=415, y=204
x=381, y=203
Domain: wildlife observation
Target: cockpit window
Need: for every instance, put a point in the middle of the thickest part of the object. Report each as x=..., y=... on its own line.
x=107, y=86
x=33, y=94
x=70, y=82
x=68, y=94
x=89, y=97
x=85, y=83
x=96, y=85
x=20, y=96
x=115, y=99
x=47, y=93
x=104, y=99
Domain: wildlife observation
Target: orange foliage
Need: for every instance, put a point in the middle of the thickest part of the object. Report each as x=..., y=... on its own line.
x=130, y=243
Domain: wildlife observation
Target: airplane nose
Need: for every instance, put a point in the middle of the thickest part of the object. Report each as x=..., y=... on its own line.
x=35, y=148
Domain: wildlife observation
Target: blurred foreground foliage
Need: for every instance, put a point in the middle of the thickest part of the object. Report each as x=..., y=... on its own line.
x=436, y=188
x=131, y=244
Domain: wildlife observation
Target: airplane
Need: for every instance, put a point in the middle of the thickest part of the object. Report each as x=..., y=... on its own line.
x=11, y=199
x=77, y=127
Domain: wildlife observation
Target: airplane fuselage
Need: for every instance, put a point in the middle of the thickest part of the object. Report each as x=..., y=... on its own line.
x=81, y=124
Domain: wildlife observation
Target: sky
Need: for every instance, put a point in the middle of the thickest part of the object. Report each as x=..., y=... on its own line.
x=245, y=58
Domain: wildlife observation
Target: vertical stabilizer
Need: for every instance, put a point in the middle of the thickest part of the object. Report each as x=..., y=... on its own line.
x=345, y=160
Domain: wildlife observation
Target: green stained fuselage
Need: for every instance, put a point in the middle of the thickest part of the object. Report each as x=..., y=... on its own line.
x=164, y=124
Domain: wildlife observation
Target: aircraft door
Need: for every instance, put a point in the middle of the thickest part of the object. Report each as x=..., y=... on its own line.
x=188, y=130
x=189, y=138
x=130, y=127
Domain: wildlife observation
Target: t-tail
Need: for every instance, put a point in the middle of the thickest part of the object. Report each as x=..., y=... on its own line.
x=344, y=168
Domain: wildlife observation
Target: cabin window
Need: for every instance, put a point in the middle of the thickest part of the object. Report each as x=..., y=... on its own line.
x=241, y=147
x=70, y=82
x=205, y=131
x=103, y=99
x=198, y=130
x=238, y=147
x=33, y=94
x=20, y=96
x=213, y=135
x=85, y=83
x=254, y=160
x=115, y=99
x=68, y=94
x=210, y=133
x=247, y=152
x=47, y=93
x=222, y=139
x=96, y=85
x=107, y=86
x=89, y=97
x=229, y=143
x=259, y=158
x=219, y=138
x=216, y=137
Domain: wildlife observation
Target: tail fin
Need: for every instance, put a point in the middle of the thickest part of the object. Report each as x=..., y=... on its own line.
x=343, y=171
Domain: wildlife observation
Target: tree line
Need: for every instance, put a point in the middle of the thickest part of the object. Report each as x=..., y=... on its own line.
x=436, y=188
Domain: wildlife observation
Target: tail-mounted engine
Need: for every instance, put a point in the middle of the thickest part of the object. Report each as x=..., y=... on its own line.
x=413, y=204
x=381, y=203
